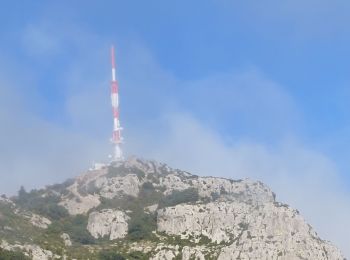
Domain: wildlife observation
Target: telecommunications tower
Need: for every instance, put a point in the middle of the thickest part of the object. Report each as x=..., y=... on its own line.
x=116, y=137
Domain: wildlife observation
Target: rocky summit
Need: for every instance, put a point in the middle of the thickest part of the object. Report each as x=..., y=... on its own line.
x=140, y=209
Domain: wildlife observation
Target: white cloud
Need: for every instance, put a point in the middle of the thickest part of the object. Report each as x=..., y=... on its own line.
x=184, y=137
x=35, y=152
x=244, y=99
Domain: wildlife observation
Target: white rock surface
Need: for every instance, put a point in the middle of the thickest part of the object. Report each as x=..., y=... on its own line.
x=164, y=254
x=66, y=239
x=6, y=200
x=114, y=186
x=76, y=203
x=244, y=190
x=40, y=221
x=152, y=208
x=34, y=219
x=168, y=252
x=173, y=182
x=37, y=253
x=190, y=253
x=133, y=173
x=267, y=231
x=33, y=251
x=108, y=222
x=240, y=218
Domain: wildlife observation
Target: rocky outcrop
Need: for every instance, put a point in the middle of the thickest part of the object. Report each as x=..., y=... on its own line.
x=196, y=253
x=76, y=203
x=250, y=231
x=240, y=190
x=35, y=252
x=126, y=179
x=35, y=219
x=40, y=221
x=164, y=254
x=239, y=215
x=5, y=200
x=172, y=215
x=108, y=222
x=38, y=253
x=151, y=208
x=114, y=186
x=168, y=252
x=66, y=239
x=247, y=190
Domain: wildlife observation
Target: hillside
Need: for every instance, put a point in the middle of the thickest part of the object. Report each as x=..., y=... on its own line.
x=146, y=210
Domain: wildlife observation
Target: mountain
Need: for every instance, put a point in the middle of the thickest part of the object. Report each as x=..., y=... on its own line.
x=140, y=209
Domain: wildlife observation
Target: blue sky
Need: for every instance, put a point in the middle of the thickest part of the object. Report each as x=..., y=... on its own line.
x=227, y=88
x=305, y=51
x=301, y=46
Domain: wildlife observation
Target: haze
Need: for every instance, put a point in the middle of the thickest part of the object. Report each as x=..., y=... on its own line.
x=223, y=88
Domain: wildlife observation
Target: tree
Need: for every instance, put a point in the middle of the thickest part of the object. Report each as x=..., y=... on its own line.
x=110, y=255
x=8, y=255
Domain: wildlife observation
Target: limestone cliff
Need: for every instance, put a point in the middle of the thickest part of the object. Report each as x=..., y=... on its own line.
x=142, y=209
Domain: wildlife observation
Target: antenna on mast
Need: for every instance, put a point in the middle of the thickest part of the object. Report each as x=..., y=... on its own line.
x=116, y=137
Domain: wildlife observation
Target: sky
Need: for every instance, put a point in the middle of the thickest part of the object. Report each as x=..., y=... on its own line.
x=237, y=89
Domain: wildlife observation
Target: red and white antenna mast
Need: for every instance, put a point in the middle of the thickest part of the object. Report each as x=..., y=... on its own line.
x=116, y=137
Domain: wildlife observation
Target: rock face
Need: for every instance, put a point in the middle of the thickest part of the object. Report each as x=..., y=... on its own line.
x=40, y=221
x=193, y=253
x=77, y=203
x=35, y=252
x=239, y=219
x=66, y=239
x=35, y=219
x=108, y=222
x=250, y=231
x=112, y=187
x=152, y=211
x=164, y=254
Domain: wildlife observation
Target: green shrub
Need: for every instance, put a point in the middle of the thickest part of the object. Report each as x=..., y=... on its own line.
x=121, y=170
x=148, y=195
x=177, y=197
x=110, y=255
x=141, y=225
x=75, y=227
x=9, y=255
x=138, y=255
x=44, y=205
x=147, y=186
x=61, y=187
x=53, y=211
x=215, y=195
